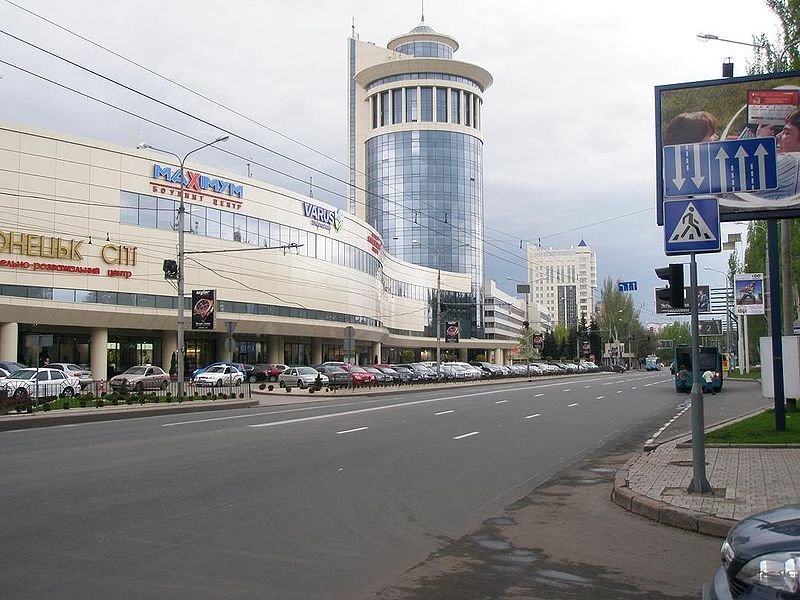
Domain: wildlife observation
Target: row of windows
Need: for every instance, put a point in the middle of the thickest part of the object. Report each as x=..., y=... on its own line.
x=171, y=303
x=426, y=104
x=424, y=76
x=161, y=213
x=426, y=49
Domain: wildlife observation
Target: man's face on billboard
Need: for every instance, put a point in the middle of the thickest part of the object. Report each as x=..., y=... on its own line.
x=789, y=138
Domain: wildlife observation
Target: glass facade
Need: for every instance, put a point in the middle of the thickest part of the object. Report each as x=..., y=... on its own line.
x=429, y=49
x=418, y=76
x=428, y=186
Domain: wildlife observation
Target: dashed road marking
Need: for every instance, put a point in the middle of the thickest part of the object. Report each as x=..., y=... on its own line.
x=466, y=435
x=573, y=404
x=351, y=430
x=444, y=412
x=534, y=416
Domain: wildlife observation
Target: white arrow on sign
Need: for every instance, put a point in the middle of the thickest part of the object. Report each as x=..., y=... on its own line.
x=721, y=159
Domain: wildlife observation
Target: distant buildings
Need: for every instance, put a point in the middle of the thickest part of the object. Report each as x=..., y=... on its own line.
x=563, y=282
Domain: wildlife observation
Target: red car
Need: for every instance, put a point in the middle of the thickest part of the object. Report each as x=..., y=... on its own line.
x=268, y=372
x=358, y=375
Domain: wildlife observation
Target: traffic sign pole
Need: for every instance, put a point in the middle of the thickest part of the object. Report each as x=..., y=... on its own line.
x=699, y=483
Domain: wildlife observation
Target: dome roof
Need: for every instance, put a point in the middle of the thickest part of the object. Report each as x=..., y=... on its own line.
x=422, y=28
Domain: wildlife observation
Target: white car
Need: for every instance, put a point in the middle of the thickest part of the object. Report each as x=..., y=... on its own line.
x=301, y=377
x=219, y=375
x=41, y=383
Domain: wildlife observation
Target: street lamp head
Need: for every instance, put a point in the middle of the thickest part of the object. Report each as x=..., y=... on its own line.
x=704, y=37
x=223, y=138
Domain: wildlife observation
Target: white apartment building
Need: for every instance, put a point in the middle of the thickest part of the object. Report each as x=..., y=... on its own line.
x=563, y=282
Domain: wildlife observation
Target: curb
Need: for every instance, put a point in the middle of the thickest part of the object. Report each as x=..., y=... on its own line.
x=13, y=422
x=622, y=495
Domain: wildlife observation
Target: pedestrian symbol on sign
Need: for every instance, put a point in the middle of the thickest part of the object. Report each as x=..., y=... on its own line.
x=691, y=227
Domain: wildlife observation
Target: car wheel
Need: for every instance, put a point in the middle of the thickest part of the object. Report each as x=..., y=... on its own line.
x=164, y=385
x=68, y=392
x=273, y=378
x=218, y=383
x=20, y=394
x=282, y=383
x=252, y=379
x=139, y=387
x=238, y=381
x=301, y=384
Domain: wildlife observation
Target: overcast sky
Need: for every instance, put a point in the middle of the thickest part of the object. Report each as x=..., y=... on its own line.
x=568, y=123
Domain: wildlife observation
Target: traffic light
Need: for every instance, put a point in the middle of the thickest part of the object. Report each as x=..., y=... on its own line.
x=673, y=294
x=170, y=269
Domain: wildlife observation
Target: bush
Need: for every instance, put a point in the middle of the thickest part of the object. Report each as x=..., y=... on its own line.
x=66, y=404
x=99, y=403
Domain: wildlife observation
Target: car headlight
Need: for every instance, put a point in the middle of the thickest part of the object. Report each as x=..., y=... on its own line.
x=779, y=571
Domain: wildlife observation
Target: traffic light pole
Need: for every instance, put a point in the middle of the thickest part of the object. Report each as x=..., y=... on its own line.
x=699, y=483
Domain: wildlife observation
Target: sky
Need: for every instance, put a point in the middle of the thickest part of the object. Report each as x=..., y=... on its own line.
x=568, y=124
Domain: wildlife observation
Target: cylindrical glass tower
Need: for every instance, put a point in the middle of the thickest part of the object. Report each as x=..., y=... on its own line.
x=417, y=151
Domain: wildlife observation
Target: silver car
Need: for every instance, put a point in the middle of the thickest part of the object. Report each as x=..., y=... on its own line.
x=84, y=375
x=301, y=377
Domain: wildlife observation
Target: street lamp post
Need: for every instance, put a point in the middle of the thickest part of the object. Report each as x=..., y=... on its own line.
x=438, y=302
x=727, y=305
x=527, y=328
x=181, y=255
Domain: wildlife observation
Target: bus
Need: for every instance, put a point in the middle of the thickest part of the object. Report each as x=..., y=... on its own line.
x=710, y=360
x=652, y=363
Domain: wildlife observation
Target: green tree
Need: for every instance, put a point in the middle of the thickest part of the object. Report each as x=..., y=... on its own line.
x=595, y=340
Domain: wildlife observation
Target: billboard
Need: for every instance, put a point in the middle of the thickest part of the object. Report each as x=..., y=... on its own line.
x=748, y=293
x=663, y=307
x=724, y=138
x=712, y=327
x=452, y=329
x=203, y=309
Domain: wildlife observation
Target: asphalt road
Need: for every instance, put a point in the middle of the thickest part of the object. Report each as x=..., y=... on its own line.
x=331, y=500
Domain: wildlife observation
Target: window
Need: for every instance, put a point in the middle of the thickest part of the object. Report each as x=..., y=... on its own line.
x=455, y=106
x=384, y=108
x=426, y=104
x=411, y=105
x=441, y=105
x=397, y=106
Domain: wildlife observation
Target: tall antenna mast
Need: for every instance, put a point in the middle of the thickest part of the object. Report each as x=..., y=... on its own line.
x=354, y=28
x=423, y=11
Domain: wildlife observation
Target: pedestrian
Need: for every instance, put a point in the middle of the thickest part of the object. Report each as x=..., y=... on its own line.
x=682, y=379
x=708, y=382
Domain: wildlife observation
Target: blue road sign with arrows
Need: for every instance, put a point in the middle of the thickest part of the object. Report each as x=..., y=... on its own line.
x=720, y=167
x=691, y=225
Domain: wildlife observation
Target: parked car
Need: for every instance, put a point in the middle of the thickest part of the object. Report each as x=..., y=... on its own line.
x=10, y=366
x=489, y=369
x=612, y=368
x=239, y=367
x=265, y=372
x=39, y=383
x=219, y=375
x=472, y=372
x=423, y=373
x=337, y=376
x=380, y=376
x=397, y=376
x=760, y=558
x=140, y=378
x=302, y=377
x=358, y=376
x=408, y=372
x=84, y=375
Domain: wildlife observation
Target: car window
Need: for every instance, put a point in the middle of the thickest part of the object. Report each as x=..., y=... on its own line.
x=135, y=371
x=43, y=375
x=74, y=368
x=307, y=370
x=57, y=375
x=158, y=371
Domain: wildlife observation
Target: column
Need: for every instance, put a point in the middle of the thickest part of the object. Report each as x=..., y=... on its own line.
x=169, y=345
x=98, y=354
x=223, y=354
x=498, y=356
x=275, y=349
x=316, y=351
x=9, y=341
x=463, y=353
x=376, y=351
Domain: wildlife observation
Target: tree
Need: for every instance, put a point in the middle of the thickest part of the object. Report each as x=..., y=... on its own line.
x=549, y=346
x=595, y=340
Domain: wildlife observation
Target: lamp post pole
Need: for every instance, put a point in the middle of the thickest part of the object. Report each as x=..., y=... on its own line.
x=180, y=353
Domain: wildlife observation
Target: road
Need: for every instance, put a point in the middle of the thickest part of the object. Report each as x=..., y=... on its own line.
x=329, y=500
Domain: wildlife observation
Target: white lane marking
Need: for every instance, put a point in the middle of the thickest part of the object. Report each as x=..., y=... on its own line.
x=537, y=395
x=668, y=423
x=619, y=391
x=567, y=390
x=466, y=435
x=444, y=412
x=633, y=388
x=573, y=404
x=534, y=416
x=586, y=387
x=501, y=401
x=351, y=430
x=599, y=397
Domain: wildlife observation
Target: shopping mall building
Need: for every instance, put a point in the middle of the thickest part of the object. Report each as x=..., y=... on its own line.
x=88, y=225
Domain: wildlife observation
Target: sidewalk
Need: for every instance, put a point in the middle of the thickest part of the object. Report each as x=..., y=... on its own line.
x=745, y=480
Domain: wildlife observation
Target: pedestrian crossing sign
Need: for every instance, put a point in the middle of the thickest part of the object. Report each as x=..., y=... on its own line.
x=691, y=225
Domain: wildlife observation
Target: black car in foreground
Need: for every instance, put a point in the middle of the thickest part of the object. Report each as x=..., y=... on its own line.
x=760, y=558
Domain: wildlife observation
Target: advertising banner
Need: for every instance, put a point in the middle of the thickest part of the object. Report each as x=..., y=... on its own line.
x=724, y=138
x=703, y=302
x=748, y=293
x=451, y=332
x=203, y=309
